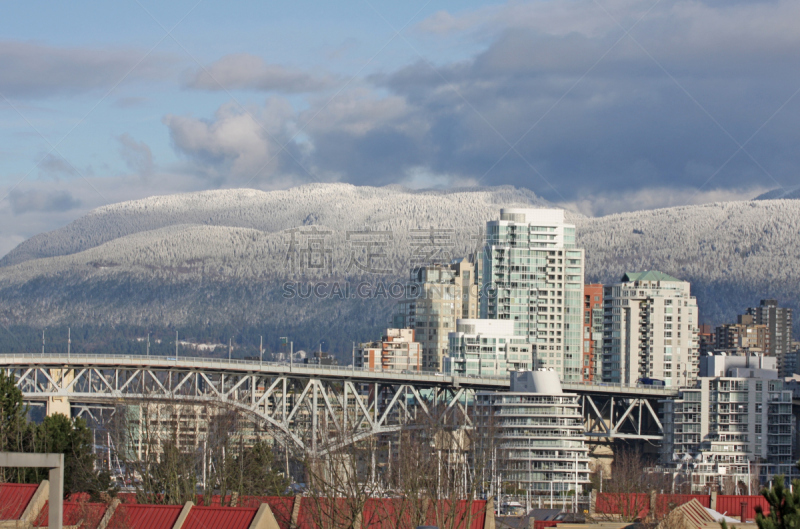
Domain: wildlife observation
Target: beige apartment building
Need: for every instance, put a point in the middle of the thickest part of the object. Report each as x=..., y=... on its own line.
x=397, y=351
x=742, y=337
x=436, y=296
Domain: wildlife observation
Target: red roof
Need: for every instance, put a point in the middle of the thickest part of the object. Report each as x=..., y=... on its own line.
x=227, y=517
x=127, y=497
x=384, y=513
x=128, y=516
x=75, y=512
x=325, y=512
x=14, y=498
x=216, y=500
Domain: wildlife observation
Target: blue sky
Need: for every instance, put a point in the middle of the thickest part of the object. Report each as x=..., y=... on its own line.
x=598, y=105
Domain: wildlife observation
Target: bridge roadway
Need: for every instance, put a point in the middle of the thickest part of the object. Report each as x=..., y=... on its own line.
x=360, y=375
x=275, y=392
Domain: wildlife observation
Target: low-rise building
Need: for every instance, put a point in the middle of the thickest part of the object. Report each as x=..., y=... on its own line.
x=397, y=351
x=486, y=348
x=706, y=339
x=734, y=424
x=537, y=431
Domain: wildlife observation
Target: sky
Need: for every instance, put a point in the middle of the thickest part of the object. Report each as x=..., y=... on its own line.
x=601, y=106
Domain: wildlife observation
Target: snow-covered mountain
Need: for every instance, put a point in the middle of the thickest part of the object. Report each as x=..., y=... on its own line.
x=224, y=256
x=733, y=253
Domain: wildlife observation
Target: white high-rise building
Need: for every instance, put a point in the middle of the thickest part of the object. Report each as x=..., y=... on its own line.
x=650, y=330
x=735, y=424
x=538, y=434
x=533, y=276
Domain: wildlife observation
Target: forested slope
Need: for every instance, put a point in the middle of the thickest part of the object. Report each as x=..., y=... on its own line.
x=223, y=257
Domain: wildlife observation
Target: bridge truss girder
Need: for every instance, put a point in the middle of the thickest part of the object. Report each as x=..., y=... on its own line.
x=313, y=414
x=622, y=417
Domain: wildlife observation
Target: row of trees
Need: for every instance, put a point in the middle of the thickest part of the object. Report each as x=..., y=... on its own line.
x=56, y=434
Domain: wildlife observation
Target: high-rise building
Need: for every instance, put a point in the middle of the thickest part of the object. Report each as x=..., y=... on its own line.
x=779, y=326
x=533, y=276
x=436, y=296
x=481, y=347
x=736, y=422
x=538, y=431
x=650, y=330
x=397, y=351
x=742, y=337
x=592, y=332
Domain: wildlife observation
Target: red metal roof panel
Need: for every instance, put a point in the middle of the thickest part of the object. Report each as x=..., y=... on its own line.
x=212, y=517
x=14, y=497
x=85, y=515
x=128, y=516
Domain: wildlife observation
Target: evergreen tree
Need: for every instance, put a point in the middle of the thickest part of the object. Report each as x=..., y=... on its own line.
x=71, y=437
x=14, y=427
x=784, y=506
x=259, y=474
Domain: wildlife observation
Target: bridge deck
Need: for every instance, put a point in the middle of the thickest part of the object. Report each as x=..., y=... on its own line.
x=314, y=371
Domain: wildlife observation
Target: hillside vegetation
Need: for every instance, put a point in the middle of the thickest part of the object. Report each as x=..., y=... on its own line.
x=222, y=257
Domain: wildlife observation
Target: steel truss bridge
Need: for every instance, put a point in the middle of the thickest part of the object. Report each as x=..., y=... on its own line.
x=301, y=404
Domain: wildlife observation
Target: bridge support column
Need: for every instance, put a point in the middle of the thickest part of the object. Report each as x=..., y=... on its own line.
x=58, y=405
x=63, y=378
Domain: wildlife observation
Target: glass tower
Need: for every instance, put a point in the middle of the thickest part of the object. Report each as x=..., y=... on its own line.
x=533, y=275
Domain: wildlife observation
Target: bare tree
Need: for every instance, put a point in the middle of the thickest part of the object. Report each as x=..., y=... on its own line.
x=628, y=488
x=172, y=452
x=341, y=481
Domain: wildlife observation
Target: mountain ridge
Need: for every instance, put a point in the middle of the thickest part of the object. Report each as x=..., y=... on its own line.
x=181, y=262
x=222, y=207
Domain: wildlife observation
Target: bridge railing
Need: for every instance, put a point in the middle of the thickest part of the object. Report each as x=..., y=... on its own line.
x=159, y=360
x=298, y=367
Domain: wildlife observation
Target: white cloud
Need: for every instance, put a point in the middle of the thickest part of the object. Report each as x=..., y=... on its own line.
x=31, y=70
x=245, y=71
x=236, y=141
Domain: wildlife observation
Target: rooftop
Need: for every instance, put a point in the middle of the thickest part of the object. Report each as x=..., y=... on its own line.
x=649, y=275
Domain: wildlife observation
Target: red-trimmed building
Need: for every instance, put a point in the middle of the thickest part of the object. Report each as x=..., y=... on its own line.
x=592, y=332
